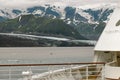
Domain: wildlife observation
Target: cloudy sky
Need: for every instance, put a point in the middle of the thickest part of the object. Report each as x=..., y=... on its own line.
x=26, y=3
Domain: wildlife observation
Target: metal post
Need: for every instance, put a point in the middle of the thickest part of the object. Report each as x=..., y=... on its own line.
x=52, y=75
x=87, y=73
x=70, y=70
x=103, y=73
x=50, y=72
x=10, y=73
x=30, y=73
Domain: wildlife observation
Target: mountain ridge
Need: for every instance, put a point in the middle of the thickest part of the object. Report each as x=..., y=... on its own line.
x=77, y=16
x=30, y=24
x=55, y=11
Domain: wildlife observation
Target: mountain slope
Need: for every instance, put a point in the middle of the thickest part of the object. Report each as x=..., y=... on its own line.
x=88, y=20
x=30, y=24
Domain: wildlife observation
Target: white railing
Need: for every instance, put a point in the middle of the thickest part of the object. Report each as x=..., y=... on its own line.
x=112, y=71
x=62, y=71
x=113, y=63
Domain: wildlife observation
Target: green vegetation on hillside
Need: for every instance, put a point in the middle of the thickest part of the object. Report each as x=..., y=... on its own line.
x=91, y=31
x=30, y=24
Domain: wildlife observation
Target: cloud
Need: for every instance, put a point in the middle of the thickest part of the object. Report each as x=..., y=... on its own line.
x=16, y=3
x=26, y=3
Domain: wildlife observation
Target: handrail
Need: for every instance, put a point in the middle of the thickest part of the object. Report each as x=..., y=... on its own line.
x=86, y=70
x=51, y=64
x=110, y=63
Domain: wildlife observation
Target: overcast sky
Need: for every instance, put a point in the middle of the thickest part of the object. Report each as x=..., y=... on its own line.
x=26, y=3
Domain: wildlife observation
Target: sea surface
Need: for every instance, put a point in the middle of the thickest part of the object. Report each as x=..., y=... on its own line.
x=37, y=55
x=18, y=55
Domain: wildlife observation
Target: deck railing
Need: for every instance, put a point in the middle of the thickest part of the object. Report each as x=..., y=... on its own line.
x=49, y=71
x=113, y=63
x=112, y=71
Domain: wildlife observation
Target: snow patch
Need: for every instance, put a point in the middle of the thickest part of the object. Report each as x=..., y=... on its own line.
x=98, y=6
x=20, y=18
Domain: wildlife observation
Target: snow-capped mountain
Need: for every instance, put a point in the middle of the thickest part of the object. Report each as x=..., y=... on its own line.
x=70, y=14
x=88, y=20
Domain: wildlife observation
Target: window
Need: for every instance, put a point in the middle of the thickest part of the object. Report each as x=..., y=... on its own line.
x=118, y=23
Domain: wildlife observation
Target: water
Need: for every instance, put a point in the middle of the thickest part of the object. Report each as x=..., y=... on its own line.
x=21, y=55
x=45, y=54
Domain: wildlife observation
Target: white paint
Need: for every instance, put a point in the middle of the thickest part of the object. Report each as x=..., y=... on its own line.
x=26, y=73
x=112, y=72
x=109, y=41
x=110, y=38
